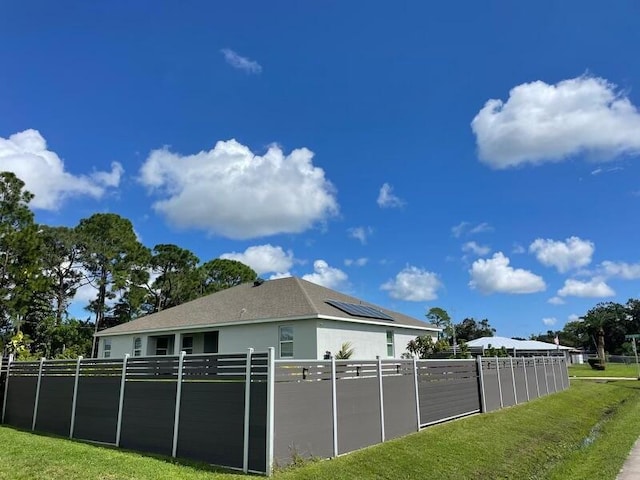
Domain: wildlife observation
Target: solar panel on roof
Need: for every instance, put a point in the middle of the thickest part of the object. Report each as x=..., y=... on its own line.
x=359, y=310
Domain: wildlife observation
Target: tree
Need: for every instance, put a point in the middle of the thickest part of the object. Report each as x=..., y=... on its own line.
x=219, y=274
x=469, y=329
x=424, y=346
x=440, y=318
x=176, y=277
x=61, y=264
x=20, y=274
x=109, y=251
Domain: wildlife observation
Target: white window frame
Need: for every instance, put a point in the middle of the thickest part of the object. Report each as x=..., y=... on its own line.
x=390, y=343
x=285, y=342
x=106, y=348
x=137, y=352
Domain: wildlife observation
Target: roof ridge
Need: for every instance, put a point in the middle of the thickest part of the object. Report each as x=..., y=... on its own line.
x=306, y=295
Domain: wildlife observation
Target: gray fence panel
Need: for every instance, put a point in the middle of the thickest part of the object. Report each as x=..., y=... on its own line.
x=565, y=373
x=521, y=386
x=399, y=405
x=506, y=382
x=542, y=376
x=148, y=415
x=54, y=406
x=441, y=399
x=258, y=427
x=531, y=378
x=549, y=367
x=358, y=404
x=303, y=420
x=212, y=422
x=97, y=409
x=557, y=368
x=20, y=401
x=491, y=386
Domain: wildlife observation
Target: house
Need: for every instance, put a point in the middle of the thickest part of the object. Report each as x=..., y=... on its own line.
x=300, y=319
x=519, y=348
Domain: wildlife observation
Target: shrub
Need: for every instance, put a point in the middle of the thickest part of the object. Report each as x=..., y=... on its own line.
x=596, y=363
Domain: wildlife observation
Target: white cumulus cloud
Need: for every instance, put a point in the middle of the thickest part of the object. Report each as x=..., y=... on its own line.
x=327, y=276
x=556, y=301
x=626, y=271
x=549, y=321
x=413, y=284
x=264, y=258
x=241, y=63
x=232, y=192
x=386, y=198
x=573, y=318
x=545, y=123
x=563, y=255
x=594, y=288
x=495, y=275
x=475, y=248
x=360, y=233
x=43, y=171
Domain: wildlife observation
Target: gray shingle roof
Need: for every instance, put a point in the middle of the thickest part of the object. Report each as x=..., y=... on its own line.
x=284, y=298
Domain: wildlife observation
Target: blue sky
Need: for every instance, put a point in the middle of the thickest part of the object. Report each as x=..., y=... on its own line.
x=478, y=156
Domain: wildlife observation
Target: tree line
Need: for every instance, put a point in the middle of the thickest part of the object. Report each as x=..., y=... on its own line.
x=43, y=267
x=602, y=330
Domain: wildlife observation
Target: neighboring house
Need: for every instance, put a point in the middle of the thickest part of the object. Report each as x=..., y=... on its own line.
x=300, y=319
x=517, y=348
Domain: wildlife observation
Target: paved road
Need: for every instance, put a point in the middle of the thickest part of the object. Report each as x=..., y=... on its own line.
x=631, y=468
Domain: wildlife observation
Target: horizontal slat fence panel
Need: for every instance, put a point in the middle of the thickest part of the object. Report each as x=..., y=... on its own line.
x=56, y=397
x=506, y=382
x=447, y=389
x=303, y=410
x=400, y=414
x=490, y=371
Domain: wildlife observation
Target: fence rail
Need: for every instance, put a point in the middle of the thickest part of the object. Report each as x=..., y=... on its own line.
x=247, y=411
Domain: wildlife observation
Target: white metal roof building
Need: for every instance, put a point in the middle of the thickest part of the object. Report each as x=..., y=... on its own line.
x=517, y=347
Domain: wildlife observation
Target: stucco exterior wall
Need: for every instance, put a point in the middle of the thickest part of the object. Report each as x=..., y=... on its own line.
x=232, y=339
x=368, y=341
x=312, y=338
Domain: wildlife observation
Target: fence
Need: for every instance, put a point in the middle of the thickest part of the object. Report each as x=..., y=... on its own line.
x=249, y=412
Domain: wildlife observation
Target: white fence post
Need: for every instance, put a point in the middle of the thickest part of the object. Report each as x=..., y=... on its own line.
x=381, y=398
x=176, y=416
x=499, y=382
x=415, y=381
x=247, y=411
x=35, y=405
x=483, y=401
x=513, y=379
x=123, y=381
x=271, y=373
x=526, y=381
x=6, y=387
x=334, y=406
x=535, y=370
x=75, y=398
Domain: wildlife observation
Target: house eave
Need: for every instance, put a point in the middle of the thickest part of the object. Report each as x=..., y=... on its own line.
x=196, y=328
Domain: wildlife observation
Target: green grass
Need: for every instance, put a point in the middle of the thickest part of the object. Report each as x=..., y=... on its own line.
x=611, y=370
x=585, y=432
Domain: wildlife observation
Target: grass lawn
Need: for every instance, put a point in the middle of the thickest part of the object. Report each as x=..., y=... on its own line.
x=585, y=432
x=611, y=370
